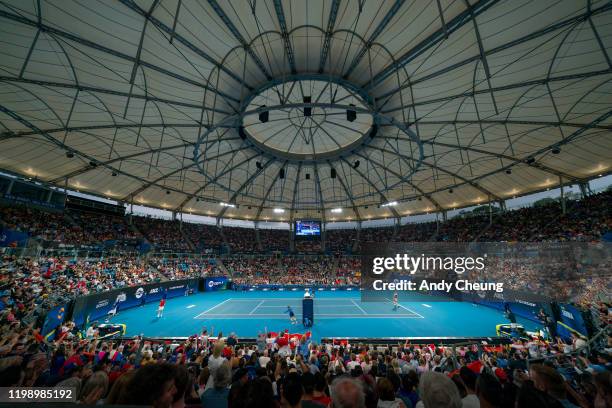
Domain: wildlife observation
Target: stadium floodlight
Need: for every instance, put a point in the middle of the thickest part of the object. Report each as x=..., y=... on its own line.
x=279, y=210
x=336, y=210
x=222, y=204
x=390, y=204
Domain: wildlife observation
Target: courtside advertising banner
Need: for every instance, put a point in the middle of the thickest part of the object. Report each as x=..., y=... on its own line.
x=216, y=283
x=97, y=306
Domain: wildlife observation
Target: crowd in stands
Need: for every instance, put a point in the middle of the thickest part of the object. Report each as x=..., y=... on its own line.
x=285, y=370
x=205, y=238
x=37, y=284
x=462, y=229
x=291, y=370
x=423, y=232
x=298, y=270
x=384, y=234
x=182, y=268
x=274, y=240
x=70, y=229
x=241, y=240
x=164, y=235
x=45, y=225
x=585, y=220
x=340, y=240
x=307, y=246
x=99, y=228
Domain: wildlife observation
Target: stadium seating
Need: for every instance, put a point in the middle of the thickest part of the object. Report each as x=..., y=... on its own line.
x=386, y=373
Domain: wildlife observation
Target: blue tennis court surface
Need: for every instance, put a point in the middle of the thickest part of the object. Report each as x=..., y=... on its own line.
x=337, y=314
x=325, y=308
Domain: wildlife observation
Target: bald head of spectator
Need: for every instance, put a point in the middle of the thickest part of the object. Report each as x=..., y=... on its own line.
x=438, y=391
x=347, y=392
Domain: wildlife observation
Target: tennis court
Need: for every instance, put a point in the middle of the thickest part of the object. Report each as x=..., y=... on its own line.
x=336, y=314
x=324, y=308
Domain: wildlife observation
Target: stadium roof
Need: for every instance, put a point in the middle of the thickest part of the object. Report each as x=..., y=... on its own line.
x=182, y=105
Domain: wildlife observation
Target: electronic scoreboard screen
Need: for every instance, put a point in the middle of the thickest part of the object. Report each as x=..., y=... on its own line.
x=307, y=228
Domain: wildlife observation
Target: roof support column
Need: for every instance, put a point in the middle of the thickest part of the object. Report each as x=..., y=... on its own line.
x=9, y=190
x=323, y=235
x=357, y=238
x=584, y=189
x=562, y=196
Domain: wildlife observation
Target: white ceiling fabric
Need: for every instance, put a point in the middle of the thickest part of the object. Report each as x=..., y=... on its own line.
x=131, y=85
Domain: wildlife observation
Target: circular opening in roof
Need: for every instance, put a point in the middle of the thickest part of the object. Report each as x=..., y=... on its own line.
x=307, y=119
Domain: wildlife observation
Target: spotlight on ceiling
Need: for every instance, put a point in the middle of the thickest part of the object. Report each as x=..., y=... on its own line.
x=258, y=165
x=307, y=176
x=281, y=174
x=508, y=171
x=93, y=164
x=198, y=199
x=307, y=109
x=241, y=132
x=264, y=116
x=530, y=160
x=222, y=204
x=351, y=114
x=279, y=210
x=69, y=154
x=336, y=210
x=167, y=191
x=450, y=191
x=333, y=173
x=555, y=150
x=356, y=164
x=114, y=174
x=389, y=204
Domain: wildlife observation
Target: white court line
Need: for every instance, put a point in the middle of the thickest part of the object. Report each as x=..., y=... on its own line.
x=426, y=305
x=190, y=306
x=299, y=306
x=214, y=307
x=295, y=298
x=318, y=316
x=256, y=307
x=405, y=308
x=359, y=307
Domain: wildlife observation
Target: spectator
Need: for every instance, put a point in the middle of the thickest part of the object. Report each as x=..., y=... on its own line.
x=438, y=391
x=386, y=395
x=548, y=380
x=489, y=391
x=291, y=391
x=94, y=389
x=152, y=384
x=320, y=387
x=468, y=377
x=347, y=393
x=217, y=396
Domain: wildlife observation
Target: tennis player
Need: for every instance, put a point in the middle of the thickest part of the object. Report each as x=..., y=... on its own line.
x=292, y=317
